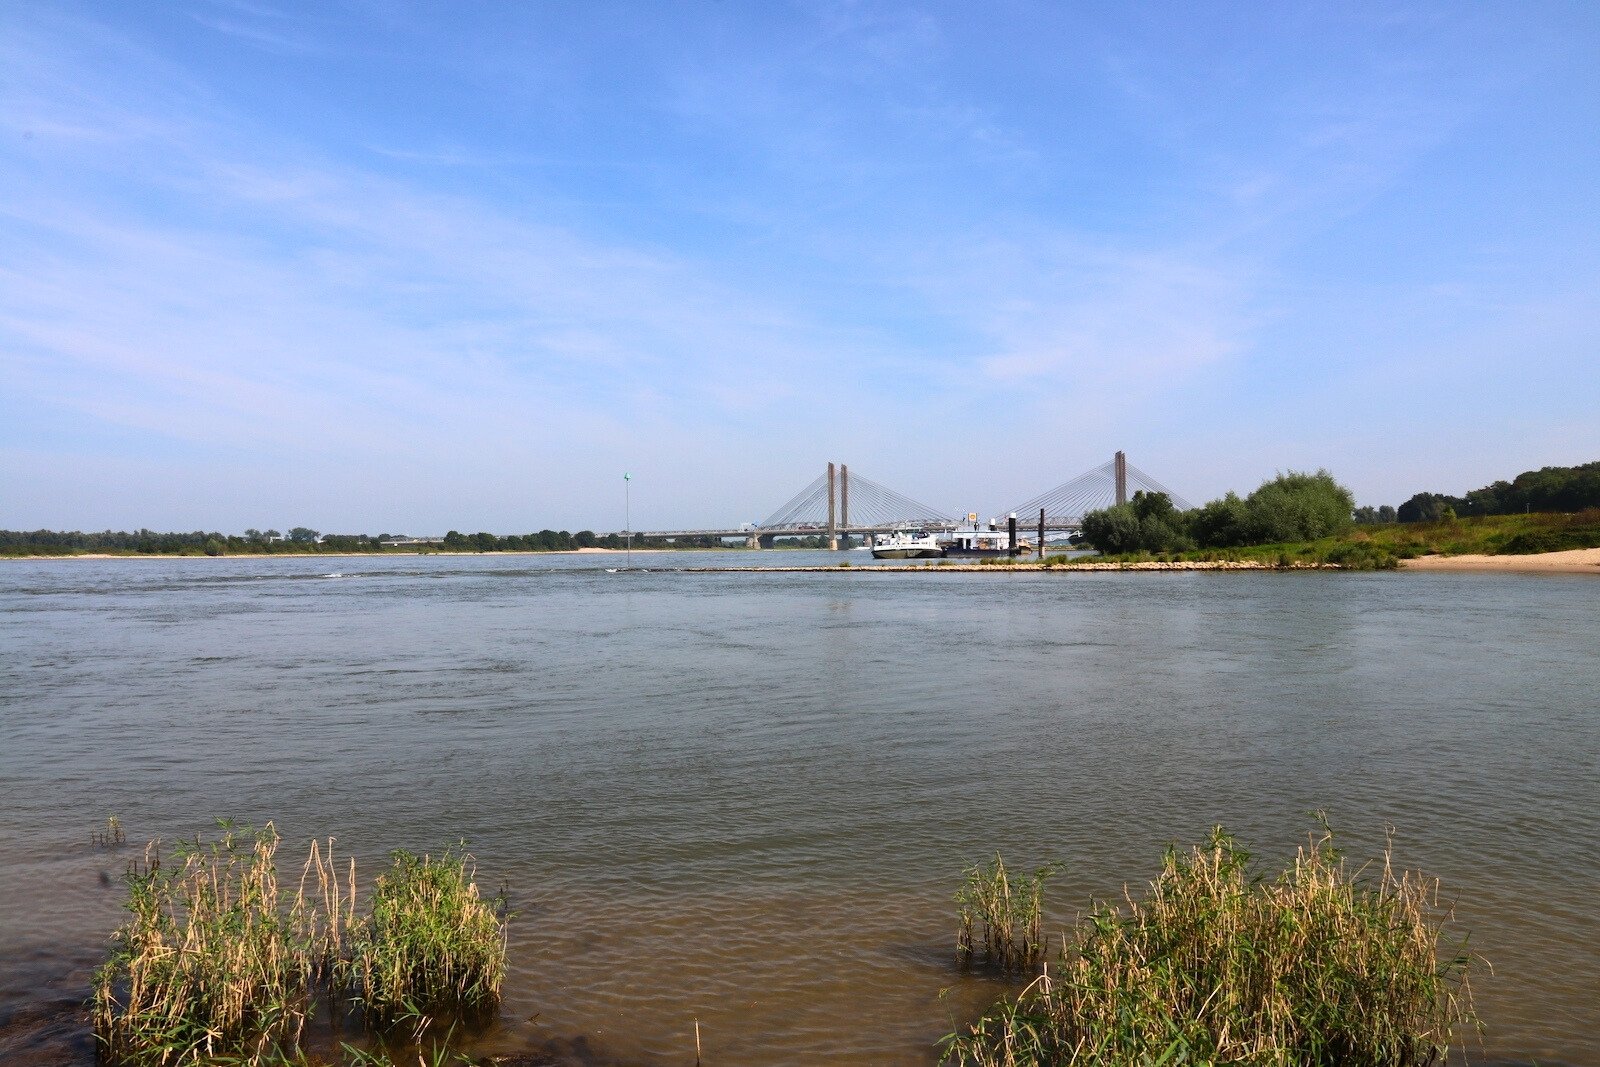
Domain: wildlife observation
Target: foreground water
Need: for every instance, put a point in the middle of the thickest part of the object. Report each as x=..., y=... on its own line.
x=746, y=799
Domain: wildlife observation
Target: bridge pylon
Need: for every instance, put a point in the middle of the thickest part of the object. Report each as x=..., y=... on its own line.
x=1064, y=506
x=839, y=506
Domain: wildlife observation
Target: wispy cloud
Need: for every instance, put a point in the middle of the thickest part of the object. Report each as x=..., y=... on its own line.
x=830, y=244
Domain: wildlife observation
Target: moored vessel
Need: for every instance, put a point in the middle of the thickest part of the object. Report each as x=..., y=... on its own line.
x=973, y=541
x=906, y=544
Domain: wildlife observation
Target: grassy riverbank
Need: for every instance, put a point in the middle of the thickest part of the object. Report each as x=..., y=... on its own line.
x=1384, y=547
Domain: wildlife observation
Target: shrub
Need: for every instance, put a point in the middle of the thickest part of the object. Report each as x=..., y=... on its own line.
x=1361, y=556
x=1298, y=507
x=1559, y=539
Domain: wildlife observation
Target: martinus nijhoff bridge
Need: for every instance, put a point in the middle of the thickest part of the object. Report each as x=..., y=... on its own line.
x=839, y=505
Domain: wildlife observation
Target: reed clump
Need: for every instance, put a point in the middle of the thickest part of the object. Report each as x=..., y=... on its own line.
x=1009, y=909
x=430, y=942
x=1320, y=965
x=212, y=961
x=220, y=963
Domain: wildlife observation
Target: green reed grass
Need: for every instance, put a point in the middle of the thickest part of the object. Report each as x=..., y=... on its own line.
x=1318, y=966
x=430, y=941
x=218, y=963
x=1009, y=909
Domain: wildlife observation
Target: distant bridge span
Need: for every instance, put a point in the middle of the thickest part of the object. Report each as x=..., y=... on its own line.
x=824, y=508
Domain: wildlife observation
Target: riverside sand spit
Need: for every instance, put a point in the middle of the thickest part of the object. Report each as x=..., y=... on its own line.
x=1572, y=561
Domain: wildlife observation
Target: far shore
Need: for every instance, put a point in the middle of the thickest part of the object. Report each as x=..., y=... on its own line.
x=352, y=555
x=1573, y=561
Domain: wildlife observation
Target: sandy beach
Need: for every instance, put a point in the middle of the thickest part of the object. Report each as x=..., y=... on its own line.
x=1575, y=561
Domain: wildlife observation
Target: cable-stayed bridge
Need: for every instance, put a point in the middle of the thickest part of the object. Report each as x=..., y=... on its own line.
x=838, y=505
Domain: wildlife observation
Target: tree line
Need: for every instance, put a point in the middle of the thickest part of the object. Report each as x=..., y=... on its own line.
x=304, y=539
x=562, y=541
x=1291, y=507
x=1306, y=507
x=1550, y=489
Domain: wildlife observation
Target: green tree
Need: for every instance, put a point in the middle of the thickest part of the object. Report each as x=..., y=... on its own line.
x=1425, y=507
x=1114, y=530
x=1147, y=523
x=1162, y=528
x=1299, y=507
x=301, y=535
x=1223, y=523
x=1549, y=489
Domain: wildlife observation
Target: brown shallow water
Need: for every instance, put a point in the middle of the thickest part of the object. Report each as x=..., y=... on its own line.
x=746, y=799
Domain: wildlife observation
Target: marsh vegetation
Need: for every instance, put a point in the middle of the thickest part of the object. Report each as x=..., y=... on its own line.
x=1215, y=963
x=1009, y=910
x=221, y=960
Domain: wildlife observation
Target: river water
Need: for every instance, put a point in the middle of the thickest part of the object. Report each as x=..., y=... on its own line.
x=746, y=799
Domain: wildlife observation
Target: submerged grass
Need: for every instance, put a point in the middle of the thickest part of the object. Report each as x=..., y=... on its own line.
x=1009, y=908
x=1318, y=966
x=111, y=837
x=218, y=963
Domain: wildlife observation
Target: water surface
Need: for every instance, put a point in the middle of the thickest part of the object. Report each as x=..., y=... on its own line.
x=747, y=798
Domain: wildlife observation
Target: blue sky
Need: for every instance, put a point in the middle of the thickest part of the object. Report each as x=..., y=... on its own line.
x=378, y=266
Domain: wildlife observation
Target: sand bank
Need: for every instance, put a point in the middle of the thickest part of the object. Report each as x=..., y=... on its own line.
x=1575, y=561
